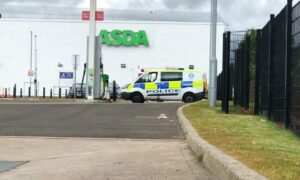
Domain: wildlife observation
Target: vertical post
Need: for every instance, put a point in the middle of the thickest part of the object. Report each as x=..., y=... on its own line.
x=257, y=72
x=21, y=93
x=114, y=91
x=5, y=93
x=66, y=93
x=91, y=53
x=31, y=43
x=213, y=58
x=51, y=94
x=44, y=92
x=223, y=68
x=15, y=91
x=247, y=72
x=288, y=57
x=35, y=71
x=75, y=74
x=29, y=92
x=227, y=74
x=59, y=93
x=271, y=60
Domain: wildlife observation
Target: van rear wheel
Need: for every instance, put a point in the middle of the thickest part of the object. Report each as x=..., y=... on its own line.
x=137, y=98
x=189, y=98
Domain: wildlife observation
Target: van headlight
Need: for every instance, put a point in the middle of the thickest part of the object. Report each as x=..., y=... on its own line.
x=125, y=87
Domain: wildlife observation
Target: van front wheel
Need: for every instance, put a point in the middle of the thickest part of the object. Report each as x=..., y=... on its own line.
x=137, y=98
x=189, y=98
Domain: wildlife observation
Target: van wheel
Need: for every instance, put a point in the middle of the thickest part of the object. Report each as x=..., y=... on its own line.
x=189, y=98
x=137, y=98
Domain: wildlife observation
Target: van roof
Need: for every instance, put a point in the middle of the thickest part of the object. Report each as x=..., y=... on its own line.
x=171, y=70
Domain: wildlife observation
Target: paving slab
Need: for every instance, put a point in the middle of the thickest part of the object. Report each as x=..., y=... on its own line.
x=77, y=158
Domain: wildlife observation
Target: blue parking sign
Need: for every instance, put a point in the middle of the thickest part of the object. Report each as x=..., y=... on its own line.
x=66, y=75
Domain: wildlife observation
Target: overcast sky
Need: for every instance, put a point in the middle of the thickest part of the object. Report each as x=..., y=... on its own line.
x=238, y=14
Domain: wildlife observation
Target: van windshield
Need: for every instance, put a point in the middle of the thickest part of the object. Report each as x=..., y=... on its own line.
x=148, y=77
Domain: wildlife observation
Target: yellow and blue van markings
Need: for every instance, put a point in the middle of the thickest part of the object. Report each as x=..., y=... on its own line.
x=168, y=85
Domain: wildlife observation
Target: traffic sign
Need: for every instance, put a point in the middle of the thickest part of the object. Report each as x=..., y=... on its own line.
x=66, y=75
x=86, y=15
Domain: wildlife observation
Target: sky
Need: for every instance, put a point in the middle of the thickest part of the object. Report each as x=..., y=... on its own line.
x=237, y=14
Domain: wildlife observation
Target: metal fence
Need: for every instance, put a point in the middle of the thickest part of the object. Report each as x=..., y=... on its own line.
x=261, y=69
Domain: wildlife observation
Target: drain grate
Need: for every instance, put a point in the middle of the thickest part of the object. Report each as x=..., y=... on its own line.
x=9, y=165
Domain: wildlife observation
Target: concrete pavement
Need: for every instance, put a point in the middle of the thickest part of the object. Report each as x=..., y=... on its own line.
x=60, y=158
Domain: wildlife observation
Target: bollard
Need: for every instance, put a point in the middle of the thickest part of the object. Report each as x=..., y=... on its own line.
x=59, y=93
x=51, y=93
x=15, y=91
x=9, y=95
x=114, y=91
x=21, y=93
x=44, y=93
x=29, y=92
x=66, y=93
x=5, y=93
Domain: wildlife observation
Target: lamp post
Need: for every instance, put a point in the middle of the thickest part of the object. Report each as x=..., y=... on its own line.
x=35, y=67
x=213, y=58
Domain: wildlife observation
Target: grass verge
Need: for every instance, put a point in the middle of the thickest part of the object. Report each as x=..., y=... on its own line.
x=256, y=142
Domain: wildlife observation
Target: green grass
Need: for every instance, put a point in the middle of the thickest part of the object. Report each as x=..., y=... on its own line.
x=256, y=142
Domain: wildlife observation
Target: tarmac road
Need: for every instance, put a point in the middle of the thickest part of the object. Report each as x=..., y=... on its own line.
x=130, y=121
x=95, y=141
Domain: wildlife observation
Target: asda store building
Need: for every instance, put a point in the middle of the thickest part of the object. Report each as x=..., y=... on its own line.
x=136, y=39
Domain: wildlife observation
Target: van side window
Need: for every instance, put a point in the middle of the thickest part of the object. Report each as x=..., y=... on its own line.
x=171, y=76
x=149, y=77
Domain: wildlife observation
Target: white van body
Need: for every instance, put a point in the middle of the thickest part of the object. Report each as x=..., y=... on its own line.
x=166, y=85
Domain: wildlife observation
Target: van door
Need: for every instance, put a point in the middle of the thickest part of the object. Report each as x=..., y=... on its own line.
x=148, y=82
x=170, y=85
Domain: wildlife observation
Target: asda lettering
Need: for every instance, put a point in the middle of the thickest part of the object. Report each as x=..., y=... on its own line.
x=124, y=38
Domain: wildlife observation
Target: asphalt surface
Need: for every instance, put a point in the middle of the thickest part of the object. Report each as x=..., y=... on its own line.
x=130, y=121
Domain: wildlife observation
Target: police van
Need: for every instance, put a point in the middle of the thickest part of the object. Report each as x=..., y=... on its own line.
x=167, y=85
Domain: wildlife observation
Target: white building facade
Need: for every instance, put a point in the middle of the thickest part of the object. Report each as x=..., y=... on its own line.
x=163, y=44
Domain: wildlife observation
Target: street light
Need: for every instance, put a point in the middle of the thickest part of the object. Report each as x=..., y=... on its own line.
x=213, y=57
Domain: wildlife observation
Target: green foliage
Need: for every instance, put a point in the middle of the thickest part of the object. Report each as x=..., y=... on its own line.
x=252, y=34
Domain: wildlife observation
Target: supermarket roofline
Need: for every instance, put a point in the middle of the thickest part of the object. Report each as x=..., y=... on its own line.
x=67, y=13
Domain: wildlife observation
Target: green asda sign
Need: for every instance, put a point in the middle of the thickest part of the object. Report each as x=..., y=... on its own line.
x=124, y=38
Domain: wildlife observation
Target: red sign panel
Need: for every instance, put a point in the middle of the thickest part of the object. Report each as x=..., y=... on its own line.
x=86, y=15
x=30, y=73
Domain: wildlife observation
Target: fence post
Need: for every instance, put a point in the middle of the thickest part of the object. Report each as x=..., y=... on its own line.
x=21, y=93
x=59, y=93
x=44, y=92
x=247, y=72
x=5, y=93
x=51, y=95
x=271, y=59
x=227, y=73
x=223, y=70
x=257, y=71
x=288, y=62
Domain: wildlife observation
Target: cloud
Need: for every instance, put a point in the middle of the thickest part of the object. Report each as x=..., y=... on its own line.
x=238, y=14
x=42, y=2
